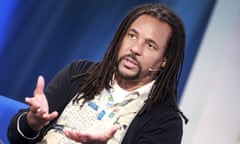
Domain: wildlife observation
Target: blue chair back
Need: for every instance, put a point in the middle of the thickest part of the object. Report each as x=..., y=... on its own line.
x=8, y=108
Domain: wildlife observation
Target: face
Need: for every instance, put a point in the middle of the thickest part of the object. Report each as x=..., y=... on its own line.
x=142, y=48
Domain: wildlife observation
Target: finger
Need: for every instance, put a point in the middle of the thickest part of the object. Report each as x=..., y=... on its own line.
x=39, y=99
x=42, y=119
x=78, y=136
x=86, y=137
x=112, y=131
x=39, y=86
x=51, y=116
x=32, y=102
x=36, y=110
x=91, y=137
x=36, y=106
x=72, y=134
x=109, y=133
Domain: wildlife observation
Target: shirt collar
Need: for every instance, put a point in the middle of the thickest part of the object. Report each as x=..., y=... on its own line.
x=143, y=91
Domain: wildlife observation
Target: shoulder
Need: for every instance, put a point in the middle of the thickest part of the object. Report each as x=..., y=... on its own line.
x=64, y=76
x=78, y=66
x=62, y=85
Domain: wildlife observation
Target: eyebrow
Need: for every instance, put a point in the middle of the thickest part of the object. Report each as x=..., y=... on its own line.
x=133, y=30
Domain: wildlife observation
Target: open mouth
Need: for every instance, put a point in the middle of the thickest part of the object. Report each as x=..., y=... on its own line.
x=130, y=62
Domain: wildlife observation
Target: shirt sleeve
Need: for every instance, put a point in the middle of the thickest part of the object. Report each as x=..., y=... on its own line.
x=59, y=92
x=167, y=130
x=160, y=125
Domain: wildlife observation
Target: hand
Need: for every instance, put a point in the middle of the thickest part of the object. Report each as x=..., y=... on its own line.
x=91, y=138
x=38, y=115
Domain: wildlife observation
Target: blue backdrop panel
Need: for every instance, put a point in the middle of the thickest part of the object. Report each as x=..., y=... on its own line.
x=41, y=37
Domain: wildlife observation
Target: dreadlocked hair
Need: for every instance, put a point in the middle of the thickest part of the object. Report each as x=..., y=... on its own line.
x=167, y=79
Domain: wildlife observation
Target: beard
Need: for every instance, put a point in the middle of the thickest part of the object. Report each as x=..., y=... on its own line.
x=126, y=76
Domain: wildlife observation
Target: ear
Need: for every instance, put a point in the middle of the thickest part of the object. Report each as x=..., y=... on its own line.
x=164, y=62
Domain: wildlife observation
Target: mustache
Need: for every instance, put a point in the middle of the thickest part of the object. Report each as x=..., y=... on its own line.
x=122, y=75
x=132, y=56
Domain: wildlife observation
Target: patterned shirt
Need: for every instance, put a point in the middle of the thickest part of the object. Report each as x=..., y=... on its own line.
x=111, y=106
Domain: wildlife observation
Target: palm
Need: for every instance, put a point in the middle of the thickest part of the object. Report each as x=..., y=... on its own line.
x=100, y=137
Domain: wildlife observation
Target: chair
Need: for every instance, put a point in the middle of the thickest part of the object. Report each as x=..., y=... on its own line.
x=8, y=108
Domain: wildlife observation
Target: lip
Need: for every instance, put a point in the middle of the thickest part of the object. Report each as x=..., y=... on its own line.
x=130, y=62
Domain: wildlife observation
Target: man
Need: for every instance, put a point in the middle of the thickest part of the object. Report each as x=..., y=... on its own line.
x=129, y=97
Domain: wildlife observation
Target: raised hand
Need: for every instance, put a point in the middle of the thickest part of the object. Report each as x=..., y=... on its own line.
x=100, y=137
x=38, y=115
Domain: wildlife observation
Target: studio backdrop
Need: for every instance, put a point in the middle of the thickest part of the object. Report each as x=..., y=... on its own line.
x=42, y=36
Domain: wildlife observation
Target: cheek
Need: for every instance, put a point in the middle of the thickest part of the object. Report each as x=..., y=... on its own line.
x=150, y=61
x=120, y=53
x=123, y=49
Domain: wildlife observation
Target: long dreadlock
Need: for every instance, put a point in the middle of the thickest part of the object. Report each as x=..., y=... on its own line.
x=167, y=79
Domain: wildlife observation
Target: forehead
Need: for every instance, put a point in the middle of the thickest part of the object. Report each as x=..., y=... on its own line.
x=151, y=27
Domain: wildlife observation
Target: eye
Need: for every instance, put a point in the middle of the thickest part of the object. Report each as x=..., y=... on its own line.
x=151, y=46
x=132, y=36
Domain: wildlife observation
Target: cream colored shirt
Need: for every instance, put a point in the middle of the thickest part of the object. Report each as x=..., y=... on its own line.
x=108, y=108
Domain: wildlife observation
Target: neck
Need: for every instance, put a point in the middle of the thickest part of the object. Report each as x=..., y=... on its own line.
x=130, y=85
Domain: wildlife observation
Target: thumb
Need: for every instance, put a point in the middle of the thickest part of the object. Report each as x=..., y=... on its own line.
x=113, y=130
x=39, y=86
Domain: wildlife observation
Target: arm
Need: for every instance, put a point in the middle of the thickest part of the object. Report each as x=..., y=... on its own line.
x=160, y=125
x=61, y=86
x=168, y=131
x=29, y=123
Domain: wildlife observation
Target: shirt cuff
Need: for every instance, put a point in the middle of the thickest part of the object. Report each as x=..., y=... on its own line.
x=23, y=128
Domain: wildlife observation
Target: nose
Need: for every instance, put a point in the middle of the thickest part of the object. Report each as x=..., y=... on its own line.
x=137, y=48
